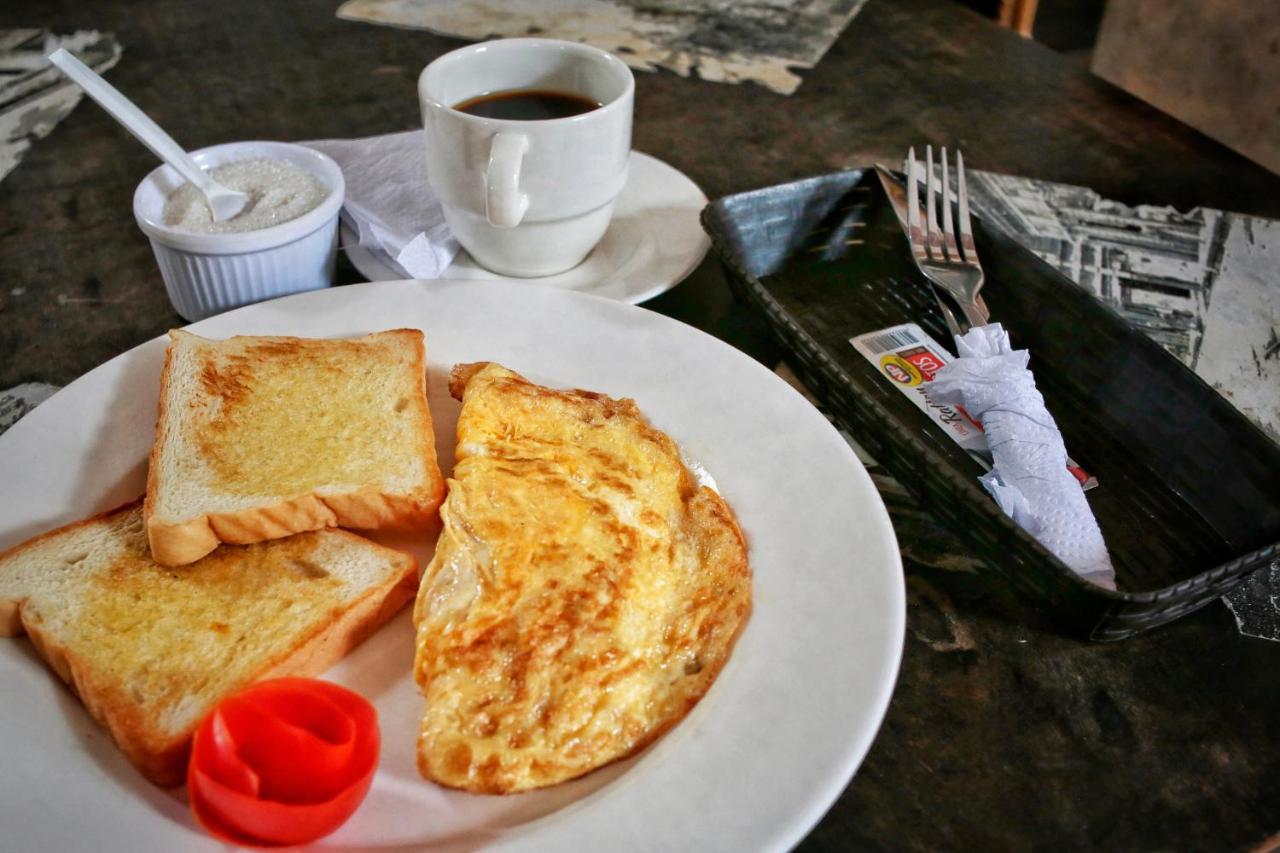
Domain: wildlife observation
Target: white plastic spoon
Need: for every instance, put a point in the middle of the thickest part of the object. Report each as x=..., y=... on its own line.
x=224, y=203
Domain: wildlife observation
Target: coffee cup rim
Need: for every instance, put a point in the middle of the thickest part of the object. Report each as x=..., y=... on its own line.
x=458, y=54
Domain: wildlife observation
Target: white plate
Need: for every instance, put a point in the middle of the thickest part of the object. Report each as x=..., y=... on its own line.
x=755, y=764
x=654, y=241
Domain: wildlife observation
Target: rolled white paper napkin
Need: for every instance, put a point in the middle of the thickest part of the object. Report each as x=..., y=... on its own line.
x=389, y=203
x=1029, y=479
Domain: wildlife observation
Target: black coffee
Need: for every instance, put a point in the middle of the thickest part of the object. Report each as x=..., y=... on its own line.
x=527, y=105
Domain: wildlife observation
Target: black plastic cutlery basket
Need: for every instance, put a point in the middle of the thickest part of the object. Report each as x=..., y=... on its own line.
x=1189, y=495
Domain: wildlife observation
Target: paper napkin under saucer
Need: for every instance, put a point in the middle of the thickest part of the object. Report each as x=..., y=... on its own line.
x=389, y=203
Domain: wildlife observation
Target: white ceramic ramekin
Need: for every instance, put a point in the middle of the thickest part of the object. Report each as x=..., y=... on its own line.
x=206, y=274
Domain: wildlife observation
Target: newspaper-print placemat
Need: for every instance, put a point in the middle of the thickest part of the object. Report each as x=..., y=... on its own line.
x=726, y=41
x=1205, y=285
x=16, y=402
x=34, y=96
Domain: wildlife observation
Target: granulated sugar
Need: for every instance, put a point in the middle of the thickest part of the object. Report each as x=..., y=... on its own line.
x=278, y=192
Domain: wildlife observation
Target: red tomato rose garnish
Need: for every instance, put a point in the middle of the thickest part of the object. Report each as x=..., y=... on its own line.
x=283, y=762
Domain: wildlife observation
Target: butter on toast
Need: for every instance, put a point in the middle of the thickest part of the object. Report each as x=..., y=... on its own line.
x=150, y=650
x=584, y=593
x=262, y=437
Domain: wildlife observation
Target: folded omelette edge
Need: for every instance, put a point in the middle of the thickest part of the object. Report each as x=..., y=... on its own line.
x=584, y=594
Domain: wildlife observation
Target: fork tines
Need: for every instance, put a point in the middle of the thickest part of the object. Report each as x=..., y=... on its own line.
x=934, y=239
x=943, y=248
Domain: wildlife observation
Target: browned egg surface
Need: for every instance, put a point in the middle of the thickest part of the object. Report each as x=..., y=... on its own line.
x=584, y=593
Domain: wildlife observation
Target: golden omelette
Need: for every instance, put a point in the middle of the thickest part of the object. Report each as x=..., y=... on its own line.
x=584, y=594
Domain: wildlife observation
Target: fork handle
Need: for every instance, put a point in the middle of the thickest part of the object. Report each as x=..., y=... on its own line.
x=975, y=312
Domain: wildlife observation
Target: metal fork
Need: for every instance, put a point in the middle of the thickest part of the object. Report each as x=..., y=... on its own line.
x=950, y=263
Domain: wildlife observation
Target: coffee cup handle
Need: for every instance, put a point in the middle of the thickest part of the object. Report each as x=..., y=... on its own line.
x=505, y=205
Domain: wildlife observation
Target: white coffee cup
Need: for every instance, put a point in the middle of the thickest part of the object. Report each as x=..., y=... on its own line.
x=527, y=198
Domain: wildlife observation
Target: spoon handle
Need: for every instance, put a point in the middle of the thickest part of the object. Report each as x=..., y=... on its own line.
x=134, y=120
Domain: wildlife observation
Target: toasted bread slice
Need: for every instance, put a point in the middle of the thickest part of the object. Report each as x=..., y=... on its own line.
x=263, y=437
x=584, y=593
x=151, y=650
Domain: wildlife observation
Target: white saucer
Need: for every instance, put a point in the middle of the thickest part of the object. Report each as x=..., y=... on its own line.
x=653, y=242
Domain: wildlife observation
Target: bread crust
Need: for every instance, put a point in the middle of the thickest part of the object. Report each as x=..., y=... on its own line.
x=162, y=757
x=181, y=543
x=176, y=543
x=368, y=509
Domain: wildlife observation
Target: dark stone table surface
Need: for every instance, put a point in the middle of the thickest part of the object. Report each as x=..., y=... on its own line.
x=1002, y=733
